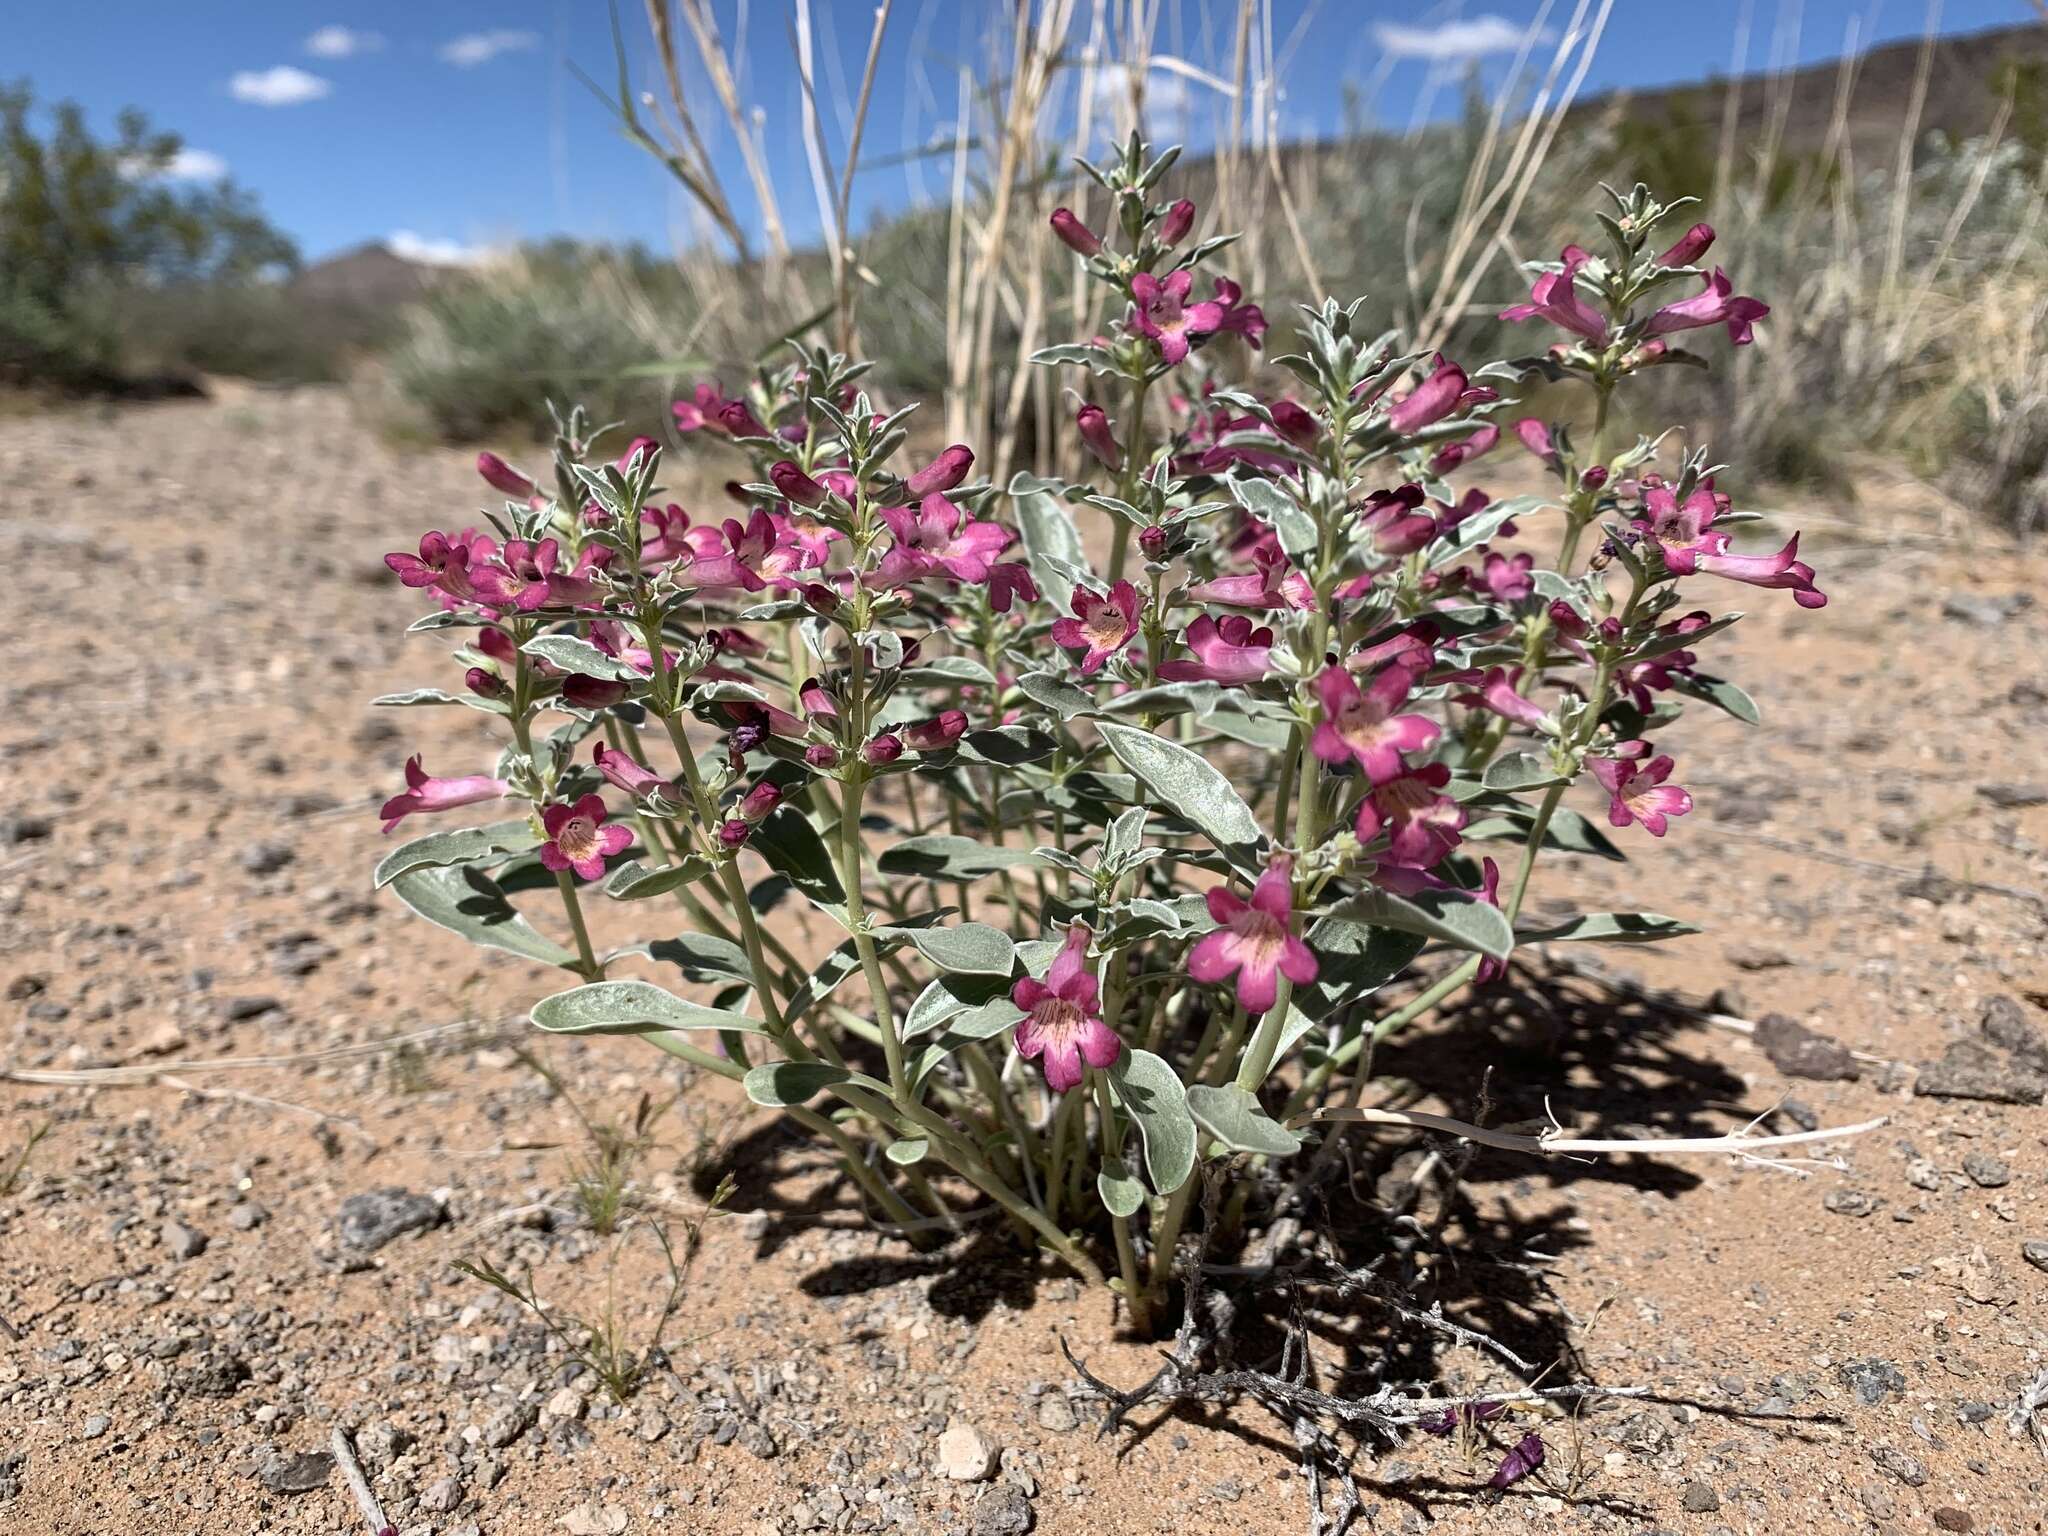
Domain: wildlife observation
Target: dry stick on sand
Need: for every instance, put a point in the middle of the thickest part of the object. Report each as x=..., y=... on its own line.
x=358, y=1484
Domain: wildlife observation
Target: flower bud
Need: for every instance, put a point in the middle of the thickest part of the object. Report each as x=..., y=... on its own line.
x=882, y=750
x=1152, y=542
x=817, y=702
x=739, y=420
x=943, y=473
x=938, y=733
x=1294, y=423
x=1593, y=478
x=485, y=685
x=759, y=801
x=794, y=484
x=640, y=445
x=1180, y=218
x=822, y=755
x=1095, y=431
x=1074, y=235
x=820, y=599
x=503, y=476
x=734, y=834
x=1431, y=400
x=591, y=692
x=1691, y=246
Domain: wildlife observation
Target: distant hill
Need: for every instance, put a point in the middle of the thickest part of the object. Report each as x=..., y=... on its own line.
x=368, y=277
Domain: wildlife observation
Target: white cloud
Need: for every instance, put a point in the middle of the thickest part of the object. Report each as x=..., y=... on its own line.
x=283, y=86
x=186, y=165
x=434, y=253
x=341, y=43
x=474, y=48
x=1169, y=97
x=1452, y=42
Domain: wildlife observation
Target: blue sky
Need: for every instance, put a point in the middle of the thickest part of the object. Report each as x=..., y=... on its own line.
x=457, y=124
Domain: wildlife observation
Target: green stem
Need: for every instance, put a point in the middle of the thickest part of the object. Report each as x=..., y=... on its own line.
x=1126, y=1250
x=1127, y=482
x=566, y=884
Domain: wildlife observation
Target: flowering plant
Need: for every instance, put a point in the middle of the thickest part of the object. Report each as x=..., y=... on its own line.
x=1116, y=850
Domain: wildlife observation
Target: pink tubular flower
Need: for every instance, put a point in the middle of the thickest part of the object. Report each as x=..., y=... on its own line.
x=625, y=772
x=1093, y=425
x=1162, y=313
x=1063, y=1025
x=943, y=473
x=662, y=531
x=767, y=550
x=1555, y=297
x=591, y=692
x=1535, y=436
x=1431, y=400
x=794, y=484
x=1525, y=1458
x=1490, y=969
x=1505, y=580
x=1256, y=939
x=578, y=839
x=1362, y=727
x=1421, y=822
x=1074, y=235
x=443, y=562
x=1228, y=651
x=1716, y=304
x=1464, y=450
x=1271, y=583
x=1498, y=694
x=935, y=734
x=1008, y=582
x=1689, y=247
x=503, y=477
x=1248, y=320
x=880, y=751
x=701, y=410
x=938, y=538
x=1685, y=540
x=1639, y=793
x=1180, y=218
x=1102, y=625
x=738, y=418
x=527, y=576
x=425, y=793
x=1396, y=521
x=635, y=449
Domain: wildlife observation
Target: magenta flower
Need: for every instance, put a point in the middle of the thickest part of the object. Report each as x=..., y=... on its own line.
x=1295, y=424
x=1635, y=785
x=578, y=839
x=503, y=477
x=880, y=751
x=1716, y=304
x=1490, y=969
x=1421, y=822
x=1396, y=521
x=935, y=734
x=648, y=446
x=1525, y=1458
x=701, y=410
x=662, y=531
x=1093, y=425
x=1464, y=450
x=1162, y=313
x=626, y=772
x=943, y=473
x=1271, y=583
x=1555, y=297
x=425, y=793
x=1498, y=693
x=1362, y=727
x=1689, y=248
x=1009, y=581
x=752, y=810
x=1685, y=540
x=738, y=418
x=1063, y=1025
x=1180, y=218
x=1255, y=939
x=443, y=562
x=528, y=576
x=794, y=484
x=767, y=550
x=1431, y=400
x=1103, y=625
x=1535, y=436
x=1248, y=320
x=938, y=538
x=1226, y=651
x=1074, y=235
x=1508, y=580
x=591, y=692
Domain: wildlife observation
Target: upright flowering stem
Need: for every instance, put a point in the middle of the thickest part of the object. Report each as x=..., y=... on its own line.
x=1127, y=482
x=522, y=733
x=1126, y=1250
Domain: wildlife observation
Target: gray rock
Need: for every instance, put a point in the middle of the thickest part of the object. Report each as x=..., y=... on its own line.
x=1872, y=1380
x=266, y=858
x=11, y=1474
x=1984, y=612
x=754, y=1438
x=1002, y=1512
x=182, y=1242
x=1699, y=1499
x=508, y=1424
x=1756, y=957
x=1986, y=1171
x=1056, y=1413
x=1906, y=1468
x=1923, y=1174
x=965, y=1455
x=1848, y=1202
x=440, y=1498
x=1798, y=1051
x=2014, y=797
x=235, y=1009
x=1974, y=1411
x=24, y=829
x=247, y=1216
x=367, y=1222
x=95, y=1426
x=1970, y=1069
x=2035, y=1252
x=2006, y=1025
x=299, y=1474
x=651, y=1424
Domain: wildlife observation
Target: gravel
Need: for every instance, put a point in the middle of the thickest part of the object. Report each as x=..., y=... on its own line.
x=299, y=1474
x=1798, y=1051
x=1972, y=1070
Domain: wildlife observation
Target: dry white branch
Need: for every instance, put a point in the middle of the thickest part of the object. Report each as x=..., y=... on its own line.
x=358, y=1484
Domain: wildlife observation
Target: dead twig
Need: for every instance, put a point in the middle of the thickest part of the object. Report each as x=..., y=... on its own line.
x=358, y=1484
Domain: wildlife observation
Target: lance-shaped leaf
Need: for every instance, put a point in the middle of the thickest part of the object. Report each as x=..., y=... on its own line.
x=1151, y=1091
x=462, y=845
x=1235, y=1117
x=418, y=696
x=636, y=882
x=632, y=1008
x=1055, y=694
x=949, y=997
x=1354, y=960
x=1520, y=771
x=780, y=1084
x=1719, y=692
x=793, y=849
x=465, y=900
x=982, y=1023
x=1052, y=546
x=1193, y=790
x=1450, y=916
x=574, y=654
x=974, y=948
x=1609, y=928
x=939, y=856
x=1660, y=645
x=1568, y=832
x=701, y=957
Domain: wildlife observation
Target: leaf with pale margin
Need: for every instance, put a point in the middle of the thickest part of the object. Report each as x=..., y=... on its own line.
x=636, y=882
x=1610, y=928
x=908, y=1152
x=782, y=1084
x=1568, y=832
x=1119, y=1188
x=420, y=696
x=1520, y=771
x=938, y=856
x=973, y=948
x=1660, y=645
x=573, y=654
x=1449, y=916
x=1049, y=536
x=1190, y=788
x=1152, y=1092
x=1719, y=692
x=1234, y=1117
x=1055, y=694
x=464, y=900
x=462, y=845
x=793, y=849
x=632, y=1008
x=1283, y=514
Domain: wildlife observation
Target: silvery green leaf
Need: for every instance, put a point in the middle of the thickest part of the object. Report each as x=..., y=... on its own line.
x=1660, y=645
x=907, y=1152
x=884, y=647
x=974, y=948
x=1279, y=511
x=463, y=845
x=1049, y=536
x=464, y=900
x=1519, y=771
x=1609, y=928
x=1056, y=694
x=1119, y=1188
x=793, y=849
x=701, y=957
x=1719, y=692
x=1481, y=526
x=776, y=612
x=636, y=882
x=573, y=654
x=982, y=1023
x=1192, y=789
x=950, y=669
x=1152, y=1093
x=938, y=855
x=1007, y=746
x=414, y=698
x=1450, y=916
x=946, y=998
x=780, y=1084
x=632, y=1008
x=1066, y=352
x=1568, y=832
x=1354, y=960
x=1235, y=1117
x=1124, y=836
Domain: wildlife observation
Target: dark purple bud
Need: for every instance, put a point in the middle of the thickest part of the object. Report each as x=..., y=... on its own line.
x=1180, y=218
x=1691, y=246
x=640, y=445
x=943, y=473
x=1593, y=478
x=759, y=801
x=820, y=599
x=1074, y=235
x=485, y=685
x=1294, y=423
x=799, y=487
x=1101, y=440
x=1152, y=542
x=882, y=750
x=737, y=419
x=1525, y=1458
x=503, y=476
x=1431, y=400
x=734, y=834
x=591, y=692
x=937, y=733
x=821, y=755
